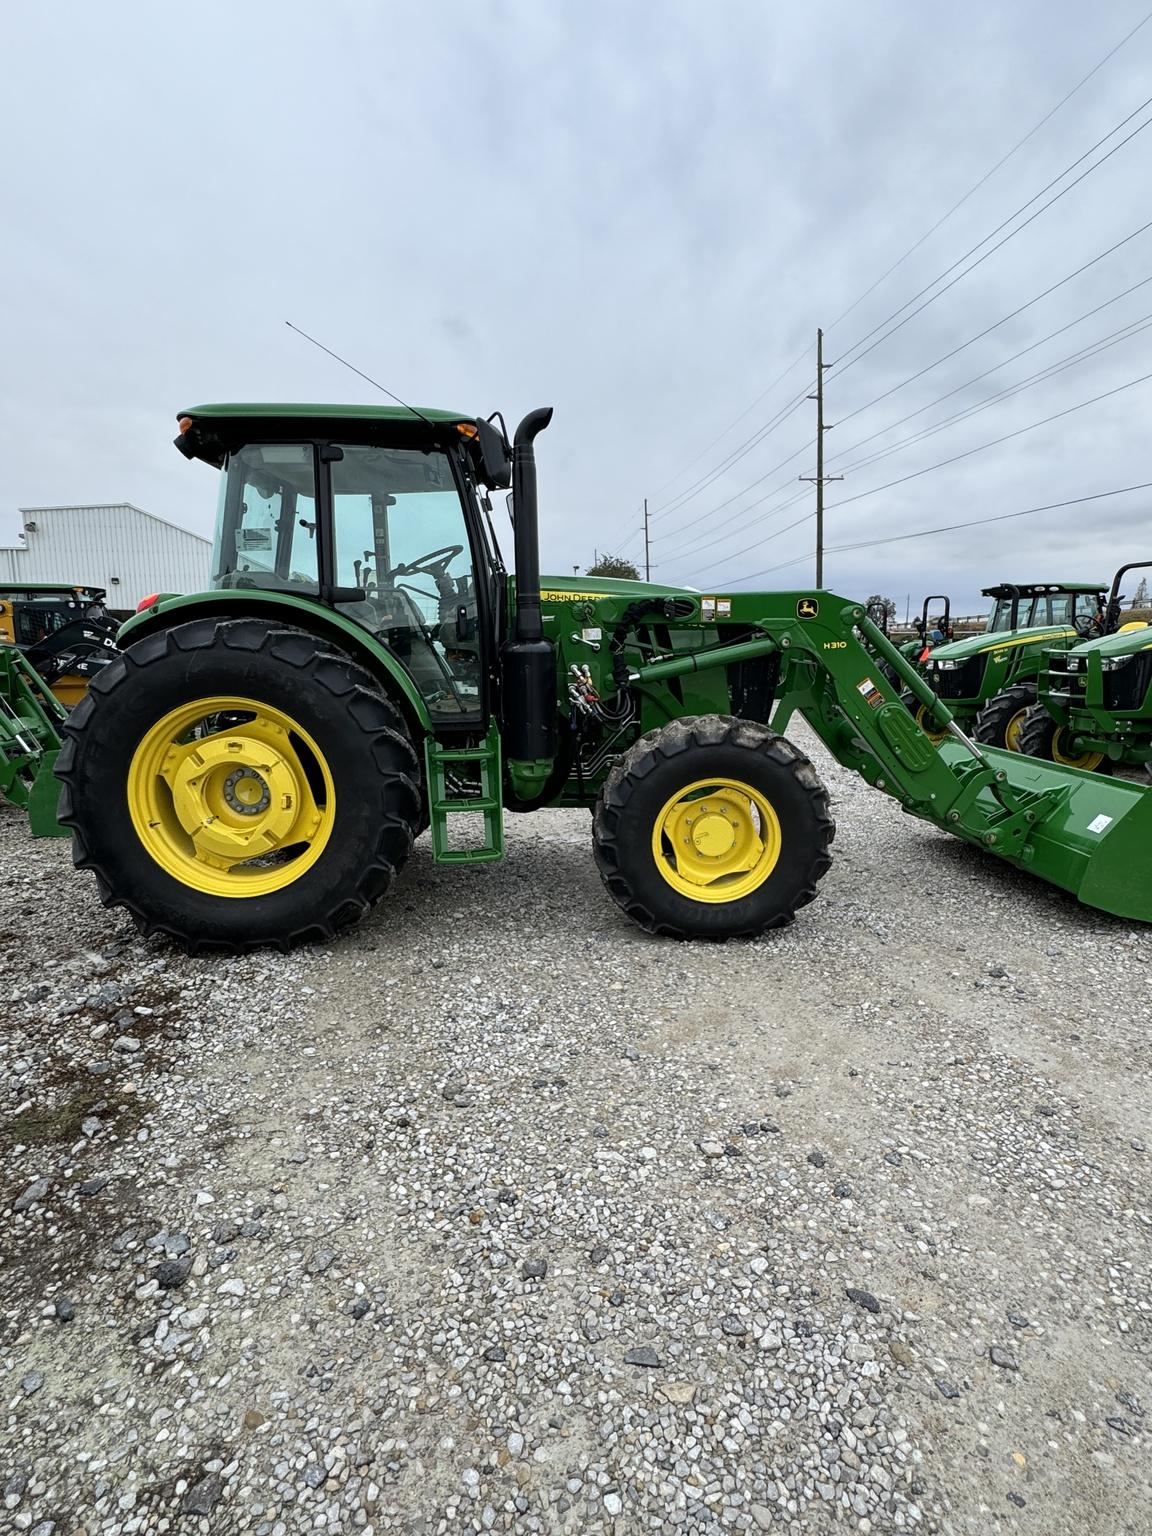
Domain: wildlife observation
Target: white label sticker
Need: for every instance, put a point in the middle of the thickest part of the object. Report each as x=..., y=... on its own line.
x=1098, y=823
x=723, y=607
x=591, y=634
x=866, y=687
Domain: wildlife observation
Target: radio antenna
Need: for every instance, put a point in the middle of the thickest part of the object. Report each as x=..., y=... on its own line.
x=375, y=383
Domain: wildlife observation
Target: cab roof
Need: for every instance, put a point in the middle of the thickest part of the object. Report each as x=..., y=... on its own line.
x=1042, y=588
x=298, y=411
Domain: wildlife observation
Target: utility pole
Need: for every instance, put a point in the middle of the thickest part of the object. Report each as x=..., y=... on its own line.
x=647, y=560
x=820, y=478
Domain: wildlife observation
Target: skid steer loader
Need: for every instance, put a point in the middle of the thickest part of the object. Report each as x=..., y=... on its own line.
x=255, y=765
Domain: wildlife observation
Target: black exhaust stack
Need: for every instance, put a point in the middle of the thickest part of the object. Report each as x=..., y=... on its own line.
x=529, y=660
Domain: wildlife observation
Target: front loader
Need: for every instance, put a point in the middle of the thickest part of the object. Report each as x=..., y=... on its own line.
x=65, y=632
x=31, y=718
x=254, y=767
x=989, y=680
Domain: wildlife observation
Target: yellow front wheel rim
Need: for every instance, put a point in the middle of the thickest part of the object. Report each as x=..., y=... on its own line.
x=1012, y=730
x=1089, y=761
x=231, y=797
x=716, y=840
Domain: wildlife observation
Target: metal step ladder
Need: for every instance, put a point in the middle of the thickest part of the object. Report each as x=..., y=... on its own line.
x=439, y=761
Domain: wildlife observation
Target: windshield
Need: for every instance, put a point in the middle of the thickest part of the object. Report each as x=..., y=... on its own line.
x=1000, y=618
x=1048, y=608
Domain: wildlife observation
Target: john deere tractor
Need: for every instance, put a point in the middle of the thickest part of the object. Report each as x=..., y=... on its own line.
x=989, y=680
x=1095, y=705
x=255, y=765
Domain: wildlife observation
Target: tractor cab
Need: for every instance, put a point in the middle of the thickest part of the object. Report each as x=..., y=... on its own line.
x=377, y=513
x=1045, y=606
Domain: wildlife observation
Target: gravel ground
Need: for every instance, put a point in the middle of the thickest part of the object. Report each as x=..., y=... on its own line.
x=501, y=1215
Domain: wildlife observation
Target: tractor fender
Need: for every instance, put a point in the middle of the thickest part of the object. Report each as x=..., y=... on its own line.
x=284, y=608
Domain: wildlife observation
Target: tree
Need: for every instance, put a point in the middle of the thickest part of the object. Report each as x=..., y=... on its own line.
x=887, y=603
x=613, y=565
x=1141, y=598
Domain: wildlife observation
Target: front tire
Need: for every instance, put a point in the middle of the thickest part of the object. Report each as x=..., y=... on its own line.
x=920, y=714
x=1040, y=736
x=1001, y=720
x=236, y=784
x=712, y=827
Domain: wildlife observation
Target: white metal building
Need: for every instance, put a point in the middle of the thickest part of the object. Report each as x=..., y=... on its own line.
x=128, y=552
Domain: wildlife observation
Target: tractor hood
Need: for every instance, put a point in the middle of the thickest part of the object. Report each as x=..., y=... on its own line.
x=979, y=645
x=586, y=589
x=1125, y=642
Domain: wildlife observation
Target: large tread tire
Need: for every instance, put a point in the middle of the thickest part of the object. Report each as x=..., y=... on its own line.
x=375, y=771
x=999, y=722
x=1039, y=736
x=676, y=755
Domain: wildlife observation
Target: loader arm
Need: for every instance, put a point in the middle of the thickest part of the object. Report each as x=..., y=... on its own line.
x=1058, y=822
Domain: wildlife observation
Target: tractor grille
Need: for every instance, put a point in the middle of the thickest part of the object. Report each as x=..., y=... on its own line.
x=1126, y=689
x=962, y=682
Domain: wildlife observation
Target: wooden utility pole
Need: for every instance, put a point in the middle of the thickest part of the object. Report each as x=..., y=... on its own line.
x=647, y=560
x=820, y=479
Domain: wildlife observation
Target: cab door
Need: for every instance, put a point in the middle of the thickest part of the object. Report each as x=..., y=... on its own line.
x=401, y=536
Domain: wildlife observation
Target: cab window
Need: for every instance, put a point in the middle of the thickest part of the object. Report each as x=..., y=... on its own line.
x=266, y=529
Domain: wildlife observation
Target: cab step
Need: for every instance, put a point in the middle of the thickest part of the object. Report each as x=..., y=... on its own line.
x=439, y=762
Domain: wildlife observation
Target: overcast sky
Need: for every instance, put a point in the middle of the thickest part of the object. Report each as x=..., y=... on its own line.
x=636, y=213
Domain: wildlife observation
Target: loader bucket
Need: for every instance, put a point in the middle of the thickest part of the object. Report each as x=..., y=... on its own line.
x=1092, y=835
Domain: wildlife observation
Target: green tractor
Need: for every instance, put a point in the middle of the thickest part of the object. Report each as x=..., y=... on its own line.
x=1095, y=705
x=255, y=765
x=989, y=680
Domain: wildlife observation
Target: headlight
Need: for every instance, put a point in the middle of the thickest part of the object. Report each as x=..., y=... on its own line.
x=1069, y=664
x=1114, y=663
x=945, y=666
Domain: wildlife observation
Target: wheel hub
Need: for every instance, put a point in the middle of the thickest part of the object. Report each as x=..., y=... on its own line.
x=246, y=792
x=712, y=833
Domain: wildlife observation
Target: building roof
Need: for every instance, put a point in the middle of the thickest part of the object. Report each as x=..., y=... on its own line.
x=101, y=506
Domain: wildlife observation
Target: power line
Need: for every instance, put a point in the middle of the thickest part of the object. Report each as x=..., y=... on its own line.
x=980, y=447
x=941, y=221
x=847, y=500
x=1020, y=143
x=1082, y=355
x=977, y=522
x=1011, y=235
x=737, y=453
x=947, y=356
x=1031, y=347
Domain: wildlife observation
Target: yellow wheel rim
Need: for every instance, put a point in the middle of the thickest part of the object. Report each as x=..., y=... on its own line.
x=1089, y=761
x=1012, y=731
x=934, y=735
x=716, y=840
x=231, y=797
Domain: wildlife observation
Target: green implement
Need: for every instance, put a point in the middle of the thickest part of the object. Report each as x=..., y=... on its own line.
x=30, y=721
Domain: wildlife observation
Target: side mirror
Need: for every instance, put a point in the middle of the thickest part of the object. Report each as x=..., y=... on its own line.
x=492, y=457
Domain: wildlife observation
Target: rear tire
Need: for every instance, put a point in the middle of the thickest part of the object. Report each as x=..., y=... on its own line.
x=1040, y=736
x=1000, y=721
x=742, y=764
x=354, y=764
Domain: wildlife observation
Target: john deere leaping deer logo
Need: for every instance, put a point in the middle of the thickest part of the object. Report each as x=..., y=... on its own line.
x=807, y=608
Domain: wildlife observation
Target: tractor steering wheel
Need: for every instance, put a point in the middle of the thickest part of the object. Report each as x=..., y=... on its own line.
x=1087, y=626
x=435, y=564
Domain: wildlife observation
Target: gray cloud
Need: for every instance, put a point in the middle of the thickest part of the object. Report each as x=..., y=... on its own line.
x=636, y=213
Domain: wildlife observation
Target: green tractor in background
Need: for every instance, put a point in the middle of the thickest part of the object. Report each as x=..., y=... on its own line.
x=930, y=630
x=989, y=680
x=1095, y=702
x=254, y=766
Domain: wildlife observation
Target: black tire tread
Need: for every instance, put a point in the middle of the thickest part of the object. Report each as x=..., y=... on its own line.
x=992, y=718
x=685, y=734
x=321, y=665
x=1037, y=734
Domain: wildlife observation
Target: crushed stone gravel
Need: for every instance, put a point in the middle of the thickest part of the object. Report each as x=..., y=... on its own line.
x=500, y=1215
